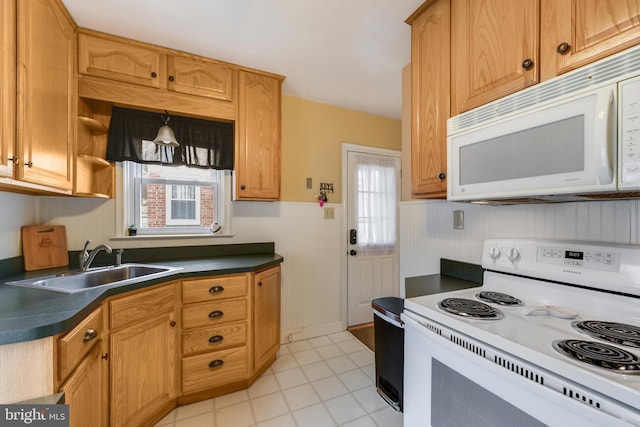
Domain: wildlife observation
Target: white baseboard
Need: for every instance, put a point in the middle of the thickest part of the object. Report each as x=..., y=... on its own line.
x=312, y=332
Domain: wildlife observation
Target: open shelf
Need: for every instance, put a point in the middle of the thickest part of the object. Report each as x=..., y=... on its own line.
x=93, y=126
x=94, y=175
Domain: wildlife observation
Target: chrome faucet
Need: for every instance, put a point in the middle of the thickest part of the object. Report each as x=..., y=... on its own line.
x=86, y=258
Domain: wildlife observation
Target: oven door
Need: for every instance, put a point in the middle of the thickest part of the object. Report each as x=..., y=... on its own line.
x=449, y=385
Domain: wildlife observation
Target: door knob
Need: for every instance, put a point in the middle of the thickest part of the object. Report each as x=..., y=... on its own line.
x=353, y=252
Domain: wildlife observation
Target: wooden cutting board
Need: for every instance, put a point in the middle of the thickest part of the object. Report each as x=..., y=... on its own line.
x=44, y=246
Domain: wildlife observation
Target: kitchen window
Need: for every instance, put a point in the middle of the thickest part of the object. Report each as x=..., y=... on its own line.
x=183, y=204
x=162, y=200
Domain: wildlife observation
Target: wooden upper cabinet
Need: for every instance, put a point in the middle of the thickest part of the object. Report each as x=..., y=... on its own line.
x=257, y=154
x=46, y=107
x=128, y=61
x=7, y=86
x=117, y=60
x=430, y=58
x=577, y=32
x=494, y=49
x=200, y=77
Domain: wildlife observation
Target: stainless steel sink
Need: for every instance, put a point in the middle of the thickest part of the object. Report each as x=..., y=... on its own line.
x=96, y=277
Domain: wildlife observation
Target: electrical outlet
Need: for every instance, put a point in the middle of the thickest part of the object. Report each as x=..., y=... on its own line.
x=309, y=183
x=458, y=220
x=329, y=213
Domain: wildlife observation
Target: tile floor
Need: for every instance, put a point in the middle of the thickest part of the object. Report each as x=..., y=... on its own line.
x=319, y=382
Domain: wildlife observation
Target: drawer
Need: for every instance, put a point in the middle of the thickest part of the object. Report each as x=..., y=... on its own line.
x=214, y=288
x=214, y=369
x=77, y=343
x=214, y=313
x=216, y=338
x=140, y=306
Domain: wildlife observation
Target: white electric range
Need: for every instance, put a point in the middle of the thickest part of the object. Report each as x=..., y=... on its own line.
x=551, y=338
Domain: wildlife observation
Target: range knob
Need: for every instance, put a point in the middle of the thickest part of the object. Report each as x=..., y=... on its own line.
x=513, y=254
x=494, y=253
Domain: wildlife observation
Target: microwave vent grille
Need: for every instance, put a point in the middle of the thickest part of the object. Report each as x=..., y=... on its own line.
x=607, y=70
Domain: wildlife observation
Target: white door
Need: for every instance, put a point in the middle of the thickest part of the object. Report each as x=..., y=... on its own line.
x=373, y=191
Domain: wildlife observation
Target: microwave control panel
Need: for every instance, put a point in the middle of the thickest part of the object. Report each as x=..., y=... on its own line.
x=629, y=133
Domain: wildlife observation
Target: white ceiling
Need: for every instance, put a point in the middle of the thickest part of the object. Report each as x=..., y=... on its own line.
x=348, y=53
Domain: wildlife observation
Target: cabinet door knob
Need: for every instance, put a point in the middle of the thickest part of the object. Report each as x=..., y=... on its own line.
x=242, y=187
x=215, y=289
x=15, y=160
x=442, y=175
x=171, y=78
x=563, y=48
x=105, y=356
x=259, y=283
x=153, y=74
x=89, y=335
x=527, y=64
x=216, y=338
x=29, y=164
x=216, y=314
x=216, y=363
x=172, y=323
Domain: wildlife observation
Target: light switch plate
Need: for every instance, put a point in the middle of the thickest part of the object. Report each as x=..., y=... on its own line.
x=458, y=220
x=329, y=213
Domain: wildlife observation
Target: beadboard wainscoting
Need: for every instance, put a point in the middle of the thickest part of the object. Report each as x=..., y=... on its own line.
x=312, y=294
x=427, y=233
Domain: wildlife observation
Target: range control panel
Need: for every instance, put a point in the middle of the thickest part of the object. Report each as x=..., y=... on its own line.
x=575, y=257
x=611, y=267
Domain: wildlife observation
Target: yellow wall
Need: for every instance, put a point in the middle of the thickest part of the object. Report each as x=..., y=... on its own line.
x=312, y=137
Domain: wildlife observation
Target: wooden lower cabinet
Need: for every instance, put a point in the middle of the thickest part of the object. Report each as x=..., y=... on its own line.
x=81, y=371
x=84, y=392
x=214, y=369
x=266, y=317
x=215, y=340
x=139, y=355
x=143, y=364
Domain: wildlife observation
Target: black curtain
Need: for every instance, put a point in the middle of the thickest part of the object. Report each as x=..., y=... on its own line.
x=203, y=143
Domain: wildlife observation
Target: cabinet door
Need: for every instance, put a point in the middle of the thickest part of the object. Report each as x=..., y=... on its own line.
x=578, y=32
x=258, y=142
x=45, y=93
x=143, y=370
x=115, y=60
x=266, y=316
x=494, y=49
x=430, y=58
x=85, y=392
x=200, y=77
x=7, y=86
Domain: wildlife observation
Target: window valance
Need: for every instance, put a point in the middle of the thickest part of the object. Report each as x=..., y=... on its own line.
x=203, y=143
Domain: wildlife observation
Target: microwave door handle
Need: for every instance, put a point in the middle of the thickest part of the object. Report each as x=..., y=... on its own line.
x=605, y=134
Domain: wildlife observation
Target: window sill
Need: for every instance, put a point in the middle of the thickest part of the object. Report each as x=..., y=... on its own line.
x=169, y=236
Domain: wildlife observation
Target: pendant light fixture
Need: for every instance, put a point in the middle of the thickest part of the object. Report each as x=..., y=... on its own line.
x=166, y=137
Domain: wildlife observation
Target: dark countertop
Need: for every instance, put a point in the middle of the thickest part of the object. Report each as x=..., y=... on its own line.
x=454, y=275
x=28, y=314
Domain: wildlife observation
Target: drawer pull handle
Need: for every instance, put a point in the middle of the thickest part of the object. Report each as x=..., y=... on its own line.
x=215, y=314
x=89, y=335
x=216, y=338
x=216, y=363
x=216, y=289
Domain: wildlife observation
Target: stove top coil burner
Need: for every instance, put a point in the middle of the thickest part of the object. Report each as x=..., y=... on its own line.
x=617, y=333
x=470, y=308
x=599, y=354
x=499, y=298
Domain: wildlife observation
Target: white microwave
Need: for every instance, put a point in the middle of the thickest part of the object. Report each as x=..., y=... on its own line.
x=552, y=142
